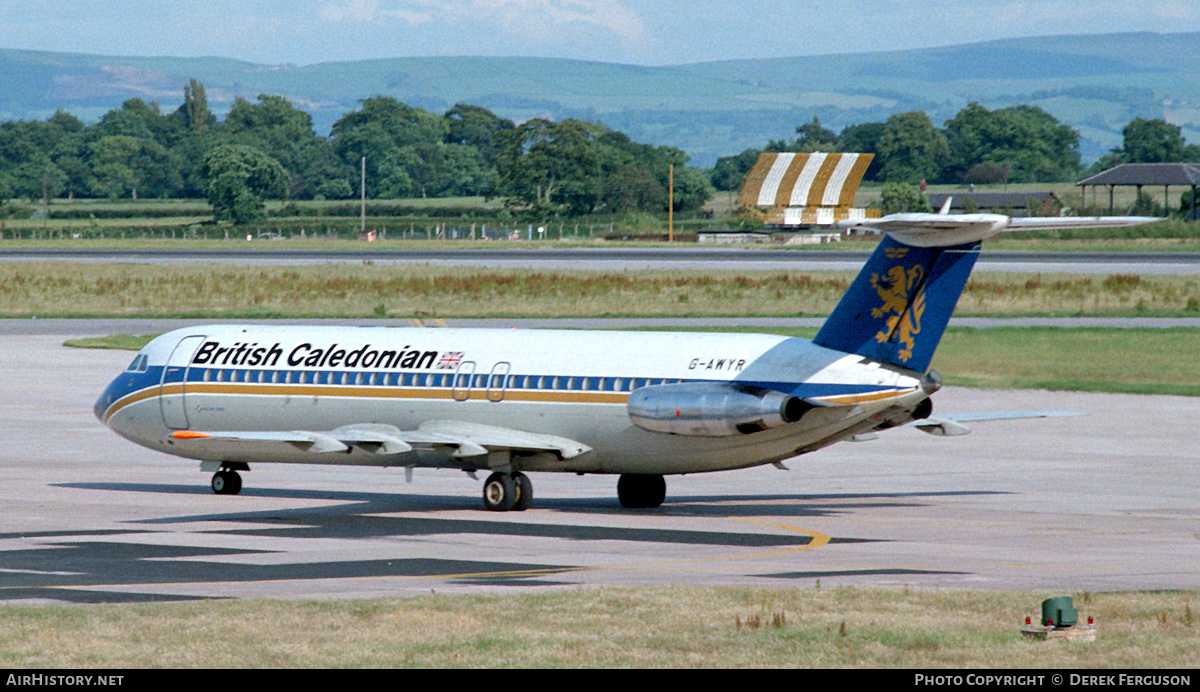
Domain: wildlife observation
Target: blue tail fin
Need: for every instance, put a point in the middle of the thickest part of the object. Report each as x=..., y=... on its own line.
x=899, y=304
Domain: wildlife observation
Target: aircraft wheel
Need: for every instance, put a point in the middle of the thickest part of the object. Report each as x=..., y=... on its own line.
x=499, y=492
x=226, y=483
x=524, y=492
x=641, y=491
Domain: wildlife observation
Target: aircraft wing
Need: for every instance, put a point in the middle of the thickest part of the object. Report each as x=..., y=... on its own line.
x=459, y=439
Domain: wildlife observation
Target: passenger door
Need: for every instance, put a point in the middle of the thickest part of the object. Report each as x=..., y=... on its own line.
x=172, y=392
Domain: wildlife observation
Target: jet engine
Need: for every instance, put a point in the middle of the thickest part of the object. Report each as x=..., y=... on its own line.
x=712, y=409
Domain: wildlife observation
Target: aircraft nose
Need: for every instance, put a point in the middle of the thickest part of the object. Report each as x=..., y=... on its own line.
x=102, y=405
x=110, y=394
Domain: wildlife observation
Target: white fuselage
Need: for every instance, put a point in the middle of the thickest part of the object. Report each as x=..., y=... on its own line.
x=569, y=384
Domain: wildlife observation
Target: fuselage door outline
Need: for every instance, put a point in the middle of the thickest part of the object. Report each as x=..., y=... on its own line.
x=174, y=410
x=462, y=380
x=497, y=381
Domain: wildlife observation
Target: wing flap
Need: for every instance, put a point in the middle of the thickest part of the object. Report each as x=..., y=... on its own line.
x=462, y=439
x=494, y=437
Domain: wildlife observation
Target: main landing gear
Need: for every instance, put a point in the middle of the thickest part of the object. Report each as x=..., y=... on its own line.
x=505, y=492
x=641, y=490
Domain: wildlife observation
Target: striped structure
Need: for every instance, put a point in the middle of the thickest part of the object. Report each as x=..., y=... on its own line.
x=806, y=189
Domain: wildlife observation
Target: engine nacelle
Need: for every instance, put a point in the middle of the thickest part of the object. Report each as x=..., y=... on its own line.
x=712, y=409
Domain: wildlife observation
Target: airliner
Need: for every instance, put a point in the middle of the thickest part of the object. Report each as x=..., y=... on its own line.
x=511, y=402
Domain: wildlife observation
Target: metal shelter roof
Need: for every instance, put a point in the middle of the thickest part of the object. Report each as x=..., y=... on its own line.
x=1147, y=174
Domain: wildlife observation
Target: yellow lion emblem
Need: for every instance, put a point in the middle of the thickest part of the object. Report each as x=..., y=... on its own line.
x=894, y=289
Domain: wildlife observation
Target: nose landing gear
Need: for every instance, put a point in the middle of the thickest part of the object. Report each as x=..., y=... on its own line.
x=226, y=482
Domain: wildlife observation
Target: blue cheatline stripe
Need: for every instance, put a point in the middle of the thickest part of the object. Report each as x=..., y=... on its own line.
x=131, y=387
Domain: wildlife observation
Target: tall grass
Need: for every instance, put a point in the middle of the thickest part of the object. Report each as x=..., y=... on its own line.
x=674, y=627
x=50, y=289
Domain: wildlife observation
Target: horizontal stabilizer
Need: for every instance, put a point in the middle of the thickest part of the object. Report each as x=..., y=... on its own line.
x=1048, y=223
x=940, y=426
x=952, y=424
x=943, y=230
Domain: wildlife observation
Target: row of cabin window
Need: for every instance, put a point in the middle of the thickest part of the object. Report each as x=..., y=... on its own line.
x=409, y=379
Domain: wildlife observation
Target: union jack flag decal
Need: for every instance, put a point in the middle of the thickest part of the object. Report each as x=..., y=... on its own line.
x=449, y=361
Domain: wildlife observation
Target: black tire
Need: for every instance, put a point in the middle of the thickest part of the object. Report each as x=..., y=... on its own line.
x=499, y=492
x=641, y=491
x=524, y=492
x=226, y=483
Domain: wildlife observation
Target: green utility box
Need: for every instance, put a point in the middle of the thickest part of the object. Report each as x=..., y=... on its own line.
x=1059, y=611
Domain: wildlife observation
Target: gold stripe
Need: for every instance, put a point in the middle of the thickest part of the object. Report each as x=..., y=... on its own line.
x=816, y=192
x=748, y=197
x=130, y=399
x=850, y=187
x=783, y=195
x=847, y=399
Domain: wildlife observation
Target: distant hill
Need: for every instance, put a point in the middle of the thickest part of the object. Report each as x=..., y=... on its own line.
x=1095, y=83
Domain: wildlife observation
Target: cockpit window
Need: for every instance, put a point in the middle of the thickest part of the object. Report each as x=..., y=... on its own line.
x=139, y=364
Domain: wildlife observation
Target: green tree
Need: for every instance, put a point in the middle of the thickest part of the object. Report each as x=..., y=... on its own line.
x=546, y=165
x=729, y=172
x=1152, y=141
x=194, y=113
x=864, y=139
x=477, y=127
x=239, y=179
x=903, y=197
x=912, y=148
x=276, y=127
x=1189, y=204
x=1030, y=143
x=112, y=156
x=815, y=137
x=987, y=173
x=401, y=145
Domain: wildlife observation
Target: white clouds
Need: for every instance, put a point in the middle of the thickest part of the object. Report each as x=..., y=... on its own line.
x=523, y=18
x=349, y=11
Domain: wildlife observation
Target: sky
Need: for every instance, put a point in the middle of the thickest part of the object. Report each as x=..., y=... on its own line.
x=639, y=32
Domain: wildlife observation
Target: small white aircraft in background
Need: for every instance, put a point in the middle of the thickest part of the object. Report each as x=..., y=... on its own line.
x=642, y=405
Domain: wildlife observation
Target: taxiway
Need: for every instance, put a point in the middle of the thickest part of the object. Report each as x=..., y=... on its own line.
x=1104, y=501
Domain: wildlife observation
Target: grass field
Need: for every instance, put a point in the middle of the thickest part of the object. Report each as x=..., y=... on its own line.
x=677, y=627
x=59, y=289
